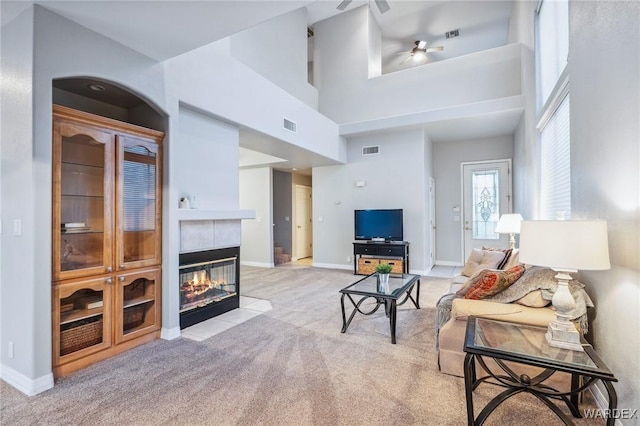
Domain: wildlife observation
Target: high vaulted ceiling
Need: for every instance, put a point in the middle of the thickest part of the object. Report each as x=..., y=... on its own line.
x=164, y=29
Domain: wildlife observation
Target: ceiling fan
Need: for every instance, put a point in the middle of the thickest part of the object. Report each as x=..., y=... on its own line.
x=419, y=53
x=383, y=6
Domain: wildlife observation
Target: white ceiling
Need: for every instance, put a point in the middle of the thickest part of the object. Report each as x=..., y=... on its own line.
x=164, y=29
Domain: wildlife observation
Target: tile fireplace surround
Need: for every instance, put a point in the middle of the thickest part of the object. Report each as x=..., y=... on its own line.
x=197, y=235
x=211, y=229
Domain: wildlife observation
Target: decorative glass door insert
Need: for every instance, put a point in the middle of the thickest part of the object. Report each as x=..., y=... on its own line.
x=486, y=203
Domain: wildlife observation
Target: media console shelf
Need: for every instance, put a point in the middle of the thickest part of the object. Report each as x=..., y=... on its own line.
x=367, y=254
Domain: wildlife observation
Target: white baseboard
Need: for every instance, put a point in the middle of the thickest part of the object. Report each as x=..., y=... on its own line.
x=601, y=400
x=257, y=264
x=418, y=272
x=170, y=333
x=333, y=266
x=23, y=383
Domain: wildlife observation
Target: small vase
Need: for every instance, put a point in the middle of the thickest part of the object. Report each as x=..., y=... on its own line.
x=383, y=282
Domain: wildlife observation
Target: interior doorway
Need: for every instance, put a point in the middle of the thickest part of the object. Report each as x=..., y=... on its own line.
x=302, y=223
x=486, y=195
x=432, y=222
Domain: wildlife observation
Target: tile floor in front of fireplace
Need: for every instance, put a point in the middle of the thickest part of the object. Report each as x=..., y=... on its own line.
x=249, y=307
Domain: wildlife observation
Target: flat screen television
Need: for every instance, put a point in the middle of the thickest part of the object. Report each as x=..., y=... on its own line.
x=379, y=225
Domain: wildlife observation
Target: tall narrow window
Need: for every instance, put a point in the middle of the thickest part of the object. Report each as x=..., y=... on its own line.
x=552, y=78
x=555, y=185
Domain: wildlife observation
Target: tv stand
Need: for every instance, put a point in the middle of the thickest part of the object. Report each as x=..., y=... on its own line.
x=367, y=254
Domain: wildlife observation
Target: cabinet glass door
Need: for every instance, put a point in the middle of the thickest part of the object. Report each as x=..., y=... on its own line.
x=138, y=219
x=82, y=319
x=137, y=304
x=82, y=193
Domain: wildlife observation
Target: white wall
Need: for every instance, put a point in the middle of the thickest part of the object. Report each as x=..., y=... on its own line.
x=19, y=300
x=256, y=194
x=446, y=165
x=233, y=92
x=346, y=94
x=277, y=49
x=394, y=179
x=526, y=151
x=605, y=178
x=208, y=162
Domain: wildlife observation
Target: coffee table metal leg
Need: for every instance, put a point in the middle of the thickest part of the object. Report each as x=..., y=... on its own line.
x=392, y=320
x=344, y=317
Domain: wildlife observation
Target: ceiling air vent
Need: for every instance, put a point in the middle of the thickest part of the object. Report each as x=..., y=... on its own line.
x=452, y=33
x=369, y=150
x=290, y=125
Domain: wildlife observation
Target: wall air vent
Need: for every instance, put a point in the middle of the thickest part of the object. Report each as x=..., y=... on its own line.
x=290, y=125
x=452, y=33
x=370, y=150
x=309, y=32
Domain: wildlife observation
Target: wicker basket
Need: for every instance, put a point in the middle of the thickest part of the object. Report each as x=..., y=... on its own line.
x=80, y=337
x=367, y=265
x=397, y=266
x=133, y=317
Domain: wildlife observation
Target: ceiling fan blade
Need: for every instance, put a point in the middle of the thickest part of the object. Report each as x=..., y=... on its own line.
x=404, y=53
x=435, y=49
x=343, y=5
x=406, y=59
x=383, y=6
x=421, y=44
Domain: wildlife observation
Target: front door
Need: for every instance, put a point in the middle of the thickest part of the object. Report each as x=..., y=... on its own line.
x=486, y=195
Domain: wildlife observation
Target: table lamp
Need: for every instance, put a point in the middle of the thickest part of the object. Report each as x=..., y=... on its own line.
x=509, y=224
x=565, y=247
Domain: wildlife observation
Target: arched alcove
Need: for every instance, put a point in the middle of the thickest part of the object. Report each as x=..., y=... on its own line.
x=106, y=99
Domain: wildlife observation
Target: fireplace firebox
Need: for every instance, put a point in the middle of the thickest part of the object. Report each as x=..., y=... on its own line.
x=209, y=284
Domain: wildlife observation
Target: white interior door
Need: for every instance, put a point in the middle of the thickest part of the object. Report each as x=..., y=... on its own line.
x=303, y=224
x=486, y=195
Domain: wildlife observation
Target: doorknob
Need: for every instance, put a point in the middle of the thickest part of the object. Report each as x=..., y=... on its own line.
x=299, y=226
x=466, y=228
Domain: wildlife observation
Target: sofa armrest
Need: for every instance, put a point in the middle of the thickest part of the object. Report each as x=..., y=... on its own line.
x=463, y=308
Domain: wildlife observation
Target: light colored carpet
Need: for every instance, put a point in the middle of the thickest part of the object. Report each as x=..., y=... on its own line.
x=289, y=366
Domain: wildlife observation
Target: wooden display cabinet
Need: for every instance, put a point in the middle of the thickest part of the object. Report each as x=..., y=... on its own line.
x=107, y=204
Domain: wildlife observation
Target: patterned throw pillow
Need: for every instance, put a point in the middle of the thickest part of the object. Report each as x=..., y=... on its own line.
x=490, y=282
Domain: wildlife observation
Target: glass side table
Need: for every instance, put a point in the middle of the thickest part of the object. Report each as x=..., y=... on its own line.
x=505, y=341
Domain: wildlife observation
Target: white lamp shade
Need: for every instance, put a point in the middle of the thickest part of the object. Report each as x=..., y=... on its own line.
x=509, y=224
x=565, y=245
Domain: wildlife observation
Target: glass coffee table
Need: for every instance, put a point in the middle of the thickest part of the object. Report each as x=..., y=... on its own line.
x=505, y=341
x=398, y=287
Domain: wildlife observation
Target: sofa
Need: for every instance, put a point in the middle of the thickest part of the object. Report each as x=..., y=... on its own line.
x=502, y=289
